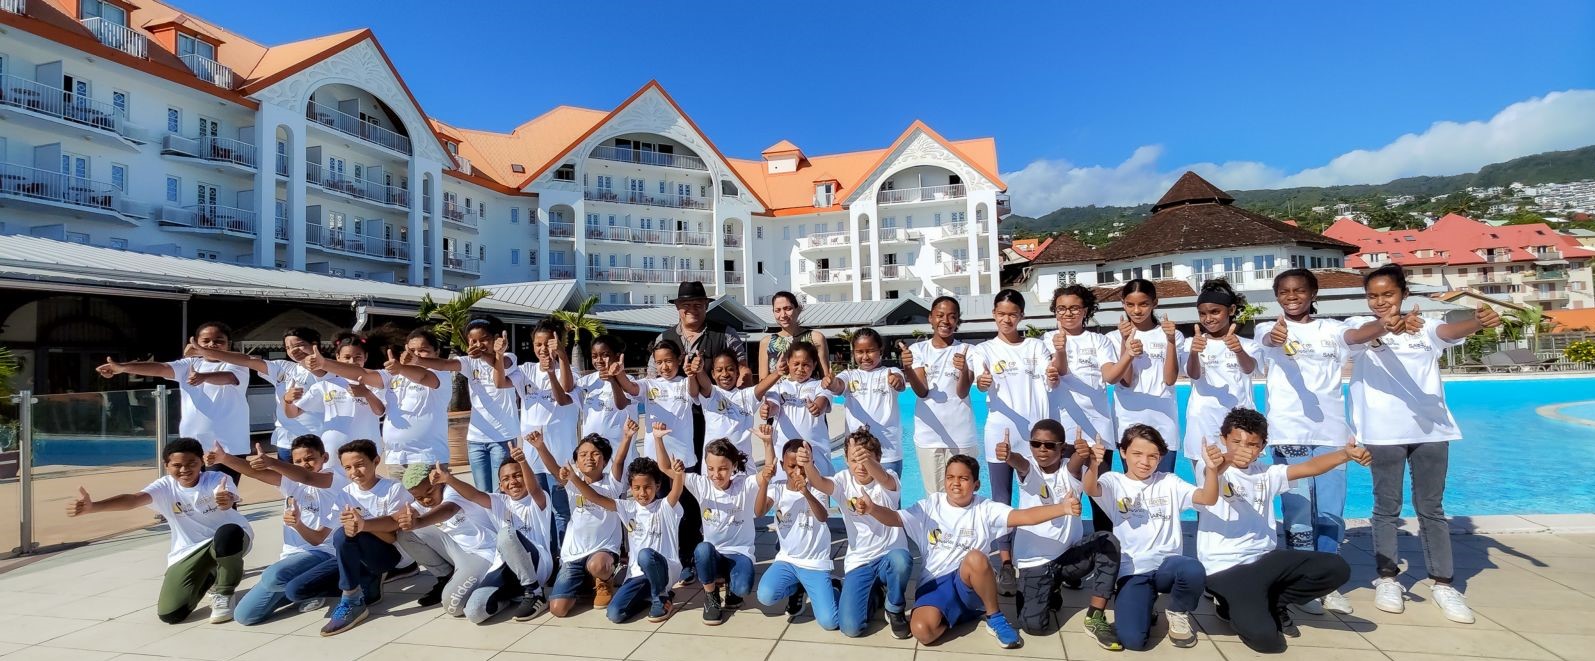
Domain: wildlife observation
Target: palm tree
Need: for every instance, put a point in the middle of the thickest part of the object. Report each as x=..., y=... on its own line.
x=576, y=323
x=452, y=316
x=9, y=429
x=1525, y=323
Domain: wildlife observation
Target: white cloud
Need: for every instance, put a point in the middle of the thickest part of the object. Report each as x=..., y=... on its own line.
x=1559, y=120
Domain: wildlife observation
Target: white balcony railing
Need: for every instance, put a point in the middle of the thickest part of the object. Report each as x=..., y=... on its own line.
x=734, y=277
x=645, y=276
x=37, y=97
x=34, y=183
x=827, y=276
x=925, y=194
x=210, y=149
x=561, y=272
x=823, y=239
x=216, y=73
x=455, y=213
x=119, y=36
x=646, y=199
x=730, y=240
x=282, y=220
x=339, y=182
x=14, y=6
x=681, y=161
x=210, y=217
x=456, y=261
x=562, y=230
x=350, y=125
x=895, y=271
x=892, y=234
x=341, y=240
x=954, y=267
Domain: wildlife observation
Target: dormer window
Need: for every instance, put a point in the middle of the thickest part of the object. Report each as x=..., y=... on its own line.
x=103, y=10
x=566, y=172
x=824, y=194
x=454, y=148
x=187, y=45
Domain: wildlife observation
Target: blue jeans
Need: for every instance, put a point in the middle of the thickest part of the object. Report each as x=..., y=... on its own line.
x=485, y=460
x=1314, y=510
x=638, y=593
x=853, y=607
x=286, y=456
x=561, y=502
x=572, y=578
x=1182, y=579
x=362, y=560
x=712, y=565
x=782, y=579
x=271, y=593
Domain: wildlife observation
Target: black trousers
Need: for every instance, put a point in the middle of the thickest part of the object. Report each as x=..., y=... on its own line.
x=690, y=532
x=1099, y=516
x=1095, y=556
x=1254, y=593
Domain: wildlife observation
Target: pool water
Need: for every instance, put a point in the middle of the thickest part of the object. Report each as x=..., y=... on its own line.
x=1502, y=436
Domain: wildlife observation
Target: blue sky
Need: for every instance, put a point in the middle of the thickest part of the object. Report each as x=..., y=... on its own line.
x=1082, y=87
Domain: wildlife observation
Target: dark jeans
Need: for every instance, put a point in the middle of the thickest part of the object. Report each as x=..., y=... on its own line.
x=1181, y=578
x=1428, y=463
x=712, y=565
x=689, y=532
x=1099, y=516
x=637, y=594
x=1254, y=593
x=362, y=560
x=561, y=503
x=1095, y=556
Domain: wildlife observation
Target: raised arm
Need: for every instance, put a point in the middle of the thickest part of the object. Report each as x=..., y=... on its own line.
x=1088, y=481
x=436, y=364
x=575, y=478
x=1483, y=317
x=628, y=434
x=1327, y=462
x=1171, y=364
x=761, y=501
x=1246, y=361
x=764, y=366
x=1374, y=329
x=1030, y=516
x=966, y=378
x=439, y=514
x=373, y=400
x=1082, y=452
x=83, y=504
x=765, y=384
x=533, y=489
x=404, y=366
x=535, y=439
x=225, y=356
x=624, y=388
x=1207, y=494
x=885, y=515
x=816, y=506
x=811, y=473
x=469, y=492
x=913, y=374
x=698, y=384
x=500, y=360
x=1193, y=355
x=316, y=362
x=290, y=518
x=1006, y=455
x=290, y=401
x=261, y=461
x=138, y=368
x=219, y=456
x=677, y=472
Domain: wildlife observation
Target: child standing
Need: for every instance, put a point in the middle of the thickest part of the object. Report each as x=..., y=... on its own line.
x=650, y=523
x=728, y=494
x=1220, y=365
x=727, y=409
x=669, y=408
x=592, y=537
x=416, y=401
x=495, y=422
x=549, y=410
x=349, y=409
x=1084, y=363
x=605, y=405
x=282, y=375
x=805, y=556
x=938, y=371
x=799, y=402
x=870, y=392
x=1144, y=394
x=209, y=535
x=520, y=508
x=1146, y=507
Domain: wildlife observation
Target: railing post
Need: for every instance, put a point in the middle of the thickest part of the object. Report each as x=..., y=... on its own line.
x=160, y=428
x=24, y=401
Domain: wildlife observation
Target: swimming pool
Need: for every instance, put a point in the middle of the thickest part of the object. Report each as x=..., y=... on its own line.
x=1494, y=415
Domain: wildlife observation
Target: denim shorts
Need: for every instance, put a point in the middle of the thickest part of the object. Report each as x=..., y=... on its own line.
x=573, y=578
x=949, y=594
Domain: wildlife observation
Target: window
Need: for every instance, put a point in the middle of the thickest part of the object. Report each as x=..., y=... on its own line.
x=1104, y=277
x=758, y=232
x=565, y=172
x=649, y=299
x=1203, y=268
x=517, y=168
x=760, y=268
x=824, y=194
x=786, y=233
x=481, y=253
x=1297, y=262
x=727, y=188
x=454, y=148
x=531, y=257
x=556, y=258
x=187, y=45
x=1067, y=278
x=1232, y=267
x=105, y=10
x=119, y=101
x=1334, y=262
x=119, y=176
x=467, y=247
x=1318, y=262
x=1164, y=270
x=803, y=230
x=207, y=254
x=173, y=186
x=118, y=244
x=1263, y=266
x=515, y=215
x=515, y=256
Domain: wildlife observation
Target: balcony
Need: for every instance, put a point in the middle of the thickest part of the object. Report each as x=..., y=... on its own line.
x=961, y=268
x=14, y=6
x=350, y=125
x=220, y=150
x=561, y=230
x=649, y=236
x=338, y=240
x=1545, y=275
x=645, y=199
x=953, y=231
x=643, y=276
x=209, y=70
x=1546, y=296
x=826, y=276
x=282, y=220
x=355, y=187
x=44, y=189
x=924, y=194
x=561, y=272
x=734, y=277
x=1004, y=205
x=1548, y=255
x=462, y=216
x=462, y=263
x=282, y=165
x=893, y=234
x=825, y=240
x=119, y=36
x=49, y=108
x=731, y=240
x=210, y=218
x=896, y=271
x=678, y=161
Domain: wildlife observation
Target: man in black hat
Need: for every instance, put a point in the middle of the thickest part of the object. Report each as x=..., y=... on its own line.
x=695, y=334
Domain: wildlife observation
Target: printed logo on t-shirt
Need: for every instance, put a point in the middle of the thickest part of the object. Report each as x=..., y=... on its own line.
x=1292, y=348
x=1000, y=367
x=852, y=386
x=1232, y=491
x=962, y=541
x=1138, y=513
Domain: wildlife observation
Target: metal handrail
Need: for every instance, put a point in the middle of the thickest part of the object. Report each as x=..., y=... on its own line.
x=681, y=161
x=347, y=124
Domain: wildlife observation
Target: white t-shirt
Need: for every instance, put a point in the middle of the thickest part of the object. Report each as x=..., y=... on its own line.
x=805, y=539
x=533, y=522
x=1151, y=400
x=591, y=528
x=416, y=427
x=867, y=539
x=1305, y=406
x=1146, y=518
x=729, y=414
x=285, y=374
x=599, y=413
x=1081, y=398
x=652, y=526
x=1223, y=386
x=471, y=527
x=1395, y=385
x=945, y=533
x=1019, y=396
x=1039, y=544
x=728, y=516
x=796, y=421
x=191, y=513
x=344, y=416
x=942, y=419
x=318, y=510
x=384, y=498
x=539, y=412
x=494, y=416
x=872, y=402
x=667, y=401
x=1239, y=528
x=213, y=413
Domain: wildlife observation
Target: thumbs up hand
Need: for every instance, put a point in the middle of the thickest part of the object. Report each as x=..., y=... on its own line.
x=393, y=361
x=440, y=476
x=1126, y=329
x=313, y=362
x=351, y=521
x=290, y=513
x=905, y=356
x=213, y=457
x=405, y=517
x=1357, y=452
x=1168, y=329
x=192, y=348
x=1003, y=447
x=1134, y=348
x=961, y=361
x=1072, y=502
x=816, y=406
x=195, y=377
x=1060, y=341
x=1279, y=335
x=894, y=380
x=1412, y=323
x=224, y=498
x=1214, y=456
x=109, y=369
x=1199, y=342
x=985, y=380
x=1080, y=444
x=1232, y=342
x=1099, y=452
x=805, y=455
x=80, y=505
x=1487, y=316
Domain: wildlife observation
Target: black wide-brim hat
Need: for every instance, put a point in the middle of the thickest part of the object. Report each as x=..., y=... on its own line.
x=690, y=291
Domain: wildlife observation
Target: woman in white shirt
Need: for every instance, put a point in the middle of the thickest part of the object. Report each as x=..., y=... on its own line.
x=870, y=395
x=1399, y=410
x=1144, y=394
x=938, y=371
x=1084, y=363
x=1219, y=363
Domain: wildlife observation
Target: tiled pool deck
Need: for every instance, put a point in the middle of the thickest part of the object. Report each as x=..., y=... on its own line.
x=1531, y=581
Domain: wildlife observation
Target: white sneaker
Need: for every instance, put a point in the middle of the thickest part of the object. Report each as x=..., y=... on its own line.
x=1452, y=603
x=312, y=605
x=221, y=608
x=1336, y=602
x=1388, y=595
x=1181, y=633
x=1314, y=607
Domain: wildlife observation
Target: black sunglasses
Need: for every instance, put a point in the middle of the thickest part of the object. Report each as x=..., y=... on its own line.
x=1050, y=445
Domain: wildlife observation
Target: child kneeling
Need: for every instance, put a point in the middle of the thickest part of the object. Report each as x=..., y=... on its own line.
x=801, y=526
x=521, y=511
x=651, y=525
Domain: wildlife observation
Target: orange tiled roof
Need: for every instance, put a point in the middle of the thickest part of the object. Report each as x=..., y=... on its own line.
x=781, y=147
x=1567, y=320
x=1454, y=238
x=795, y=190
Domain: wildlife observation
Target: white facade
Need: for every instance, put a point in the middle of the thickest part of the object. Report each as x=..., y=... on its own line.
x=1247, y=268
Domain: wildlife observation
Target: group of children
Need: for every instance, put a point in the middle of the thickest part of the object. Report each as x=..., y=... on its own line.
x=554, y=502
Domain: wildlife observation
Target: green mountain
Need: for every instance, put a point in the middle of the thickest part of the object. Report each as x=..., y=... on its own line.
x=1093, y=223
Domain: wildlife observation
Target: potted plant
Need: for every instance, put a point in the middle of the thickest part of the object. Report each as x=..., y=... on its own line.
x=10, y=430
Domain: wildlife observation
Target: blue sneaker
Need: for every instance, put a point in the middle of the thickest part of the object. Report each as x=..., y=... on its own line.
x=662, y=608
x=349, y=612
x=1007, y=637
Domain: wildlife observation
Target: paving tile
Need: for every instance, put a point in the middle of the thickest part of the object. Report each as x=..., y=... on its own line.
x=595, y=618
x=577, y=641
x=680, y=647
x=877, y=634
x=459, y=632
x=750, y=621
x=376, y=629
x=336, y=648
x=116, y=635
x=524, y=656
x=37, y=653
x=1455, y=641
x=1236, y=651
x=207, y=643
x=20, y=602
x=1536, y=620
x=94, y=608
x=1568, y=523
x=7, y=648
x=33, y=629
x=1422, y=656
x=1566, y=645
x=1317, y=633
x=404, y=652
x=1082, y=646
x=795, y=650
x=972, y=638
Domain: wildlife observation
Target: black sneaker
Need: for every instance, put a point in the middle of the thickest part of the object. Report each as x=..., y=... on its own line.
x=795, y=605
x=1287, y=626
x=434, y=596
x=1221, y=610
x=401, y=573
x=712, y=614
x=689, y=575
x=732, y=602
x=899, y=624
x=531, y=606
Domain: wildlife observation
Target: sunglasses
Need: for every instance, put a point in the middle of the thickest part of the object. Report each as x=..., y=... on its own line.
x=1050, y=445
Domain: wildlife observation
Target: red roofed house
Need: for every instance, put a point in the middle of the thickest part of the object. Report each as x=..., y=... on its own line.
x=1525, y=264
